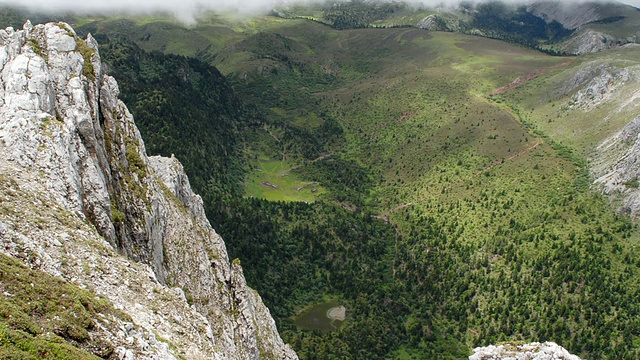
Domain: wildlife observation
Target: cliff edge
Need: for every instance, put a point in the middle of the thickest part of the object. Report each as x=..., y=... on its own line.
x=82, y=201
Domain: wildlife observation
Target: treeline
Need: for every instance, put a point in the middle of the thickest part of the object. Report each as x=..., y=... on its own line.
x=348, y=181
x=358, y=13
x=501, y=21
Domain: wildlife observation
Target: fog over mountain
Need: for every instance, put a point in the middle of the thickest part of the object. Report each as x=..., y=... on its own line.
x=185, y=9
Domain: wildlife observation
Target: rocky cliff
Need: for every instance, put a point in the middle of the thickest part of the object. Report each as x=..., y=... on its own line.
x=81, y=200
x=617, y=168
x=615, y=162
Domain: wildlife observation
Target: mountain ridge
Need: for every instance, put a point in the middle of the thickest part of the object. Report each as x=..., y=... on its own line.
x=551, y=26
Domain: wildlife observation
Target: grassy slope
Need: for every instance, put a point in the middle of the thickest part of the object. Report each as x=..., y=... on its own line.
x=288, y=187
x=525, y=236
x=43, y=317
x=544, y=102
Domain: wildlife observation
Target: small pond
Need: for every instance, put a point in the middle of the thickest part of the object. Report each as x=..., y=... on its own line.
x=327, y=316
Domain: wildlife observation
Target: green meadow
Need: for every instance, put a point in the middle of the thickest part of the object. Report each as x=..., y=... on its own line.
x=274, y=181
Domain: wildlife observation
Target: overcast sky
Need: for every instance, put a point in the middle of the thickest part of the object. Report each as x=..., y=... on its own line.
x=183, y=9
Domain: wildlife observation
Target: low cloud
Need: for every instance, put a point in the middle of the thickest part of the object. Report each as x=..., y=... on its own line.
x=184, y=10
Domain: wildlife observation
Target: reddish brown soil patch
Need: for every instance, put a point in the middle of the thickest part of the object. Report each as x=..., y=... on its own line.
x=524, y=78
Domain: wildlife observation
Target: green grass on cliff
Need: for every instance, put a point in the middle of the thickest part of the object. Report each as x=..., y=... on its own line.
x=42, y=317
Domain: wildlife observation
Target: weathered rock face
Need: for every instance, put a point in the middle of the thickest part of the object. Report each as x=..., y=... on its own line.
x=596, y=83
x=589, y=41
x=79, y=188
x=533, y=351
x=431, y=23
x=618, y=168
x=615, y=163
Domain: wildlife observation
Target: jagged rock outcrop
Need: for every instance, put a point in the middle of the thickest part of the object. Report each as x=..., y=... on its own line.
x=81, y=200
x=617, y=168
x=533, y=351
x=597, y=82
x=431, y=23
x=589, y=41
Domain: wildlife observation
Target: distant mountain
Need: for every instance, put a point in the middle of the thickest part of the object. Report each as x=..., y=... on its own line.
x=596, y=25
x=554, y=26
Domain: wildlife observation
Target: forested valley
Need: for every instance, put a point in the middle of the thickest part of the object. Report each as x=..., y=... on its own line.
x=472, y=260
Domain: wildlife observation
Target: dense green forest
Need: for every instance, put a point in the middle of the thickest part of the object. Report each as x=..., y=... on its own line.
x=294, y=253
x=500, y=21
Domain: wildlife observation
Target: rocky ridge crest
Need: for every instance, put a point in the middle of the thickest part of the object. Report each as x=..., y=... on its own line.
x=81, y=200
x=533, y=351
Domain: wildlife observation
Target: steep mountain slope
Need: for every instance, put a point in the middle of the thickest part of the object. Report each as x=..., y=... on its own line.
x=78, y=188
x=566, y=14
x=174, y=98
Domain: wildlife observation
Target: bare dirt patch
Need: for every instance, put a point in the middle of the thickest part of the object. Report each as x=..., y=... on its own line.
x=524, y=78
